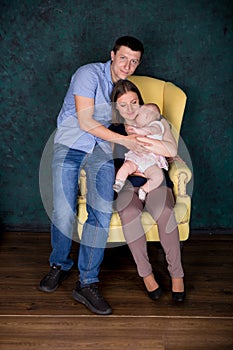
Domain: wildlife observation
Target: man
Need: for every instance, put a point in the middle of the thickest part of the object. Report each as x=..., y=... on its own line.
x=83, y=140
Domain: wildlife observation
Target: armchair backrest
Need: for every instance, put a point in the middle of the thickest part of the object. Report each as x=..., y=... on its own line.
x=169, y=97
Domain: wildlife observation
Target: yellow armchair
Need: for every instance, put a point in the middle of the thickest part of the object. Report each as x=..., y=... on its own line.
x=171, y=100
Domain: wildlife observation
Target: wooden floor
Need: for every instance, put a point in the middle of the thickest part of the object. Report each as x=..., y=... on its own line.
x=30, y=319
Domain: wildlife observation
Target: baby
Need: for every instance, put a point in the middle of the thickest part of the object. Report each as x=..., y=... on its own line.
x=147, y=123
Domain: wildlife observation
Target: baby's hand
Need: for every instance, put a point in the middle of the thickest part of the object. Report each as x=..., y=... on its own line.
x=135, y=130
x=130, y=129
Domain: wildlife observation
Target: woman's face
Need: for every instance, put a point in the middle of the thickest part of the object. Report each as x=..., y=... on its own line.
x=128, y=106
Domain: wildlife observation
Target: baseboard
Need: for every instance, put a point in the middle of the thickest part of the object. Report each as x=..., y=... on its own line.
x=46, y=228
x=212, y=231
x=26, y=228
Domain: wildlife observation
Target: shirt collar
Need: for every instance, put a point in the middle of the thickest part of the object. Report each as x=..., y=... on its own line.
x=107, y=70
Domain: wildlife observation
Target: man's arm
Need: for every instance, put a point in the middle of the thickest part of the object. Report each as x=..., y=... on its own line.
x=85, y=110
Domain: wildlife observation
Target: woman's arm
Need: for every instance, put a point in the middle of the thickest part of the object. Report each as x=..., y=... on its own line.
x=85, y=110
x=166, y=147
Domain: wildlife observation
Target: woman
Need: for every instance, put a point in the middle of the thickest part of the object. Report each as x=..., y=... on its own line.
x=126, y=100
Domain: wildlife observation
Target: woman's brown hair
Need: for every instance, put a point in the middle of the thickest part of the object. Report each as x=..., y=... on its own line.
x=121, y=88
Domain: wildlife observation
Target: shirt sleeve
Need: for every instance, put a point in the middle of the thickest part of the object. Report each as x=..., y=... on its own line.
x=85, y=82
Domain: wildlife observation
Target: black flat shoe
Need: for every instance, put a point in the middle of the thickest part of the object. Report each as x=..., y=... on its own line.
x=178, y=296
x=155, y=294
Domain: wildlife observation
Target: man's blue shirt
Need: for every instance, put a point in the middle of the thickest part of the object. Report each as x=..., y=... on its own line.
x=94, y=81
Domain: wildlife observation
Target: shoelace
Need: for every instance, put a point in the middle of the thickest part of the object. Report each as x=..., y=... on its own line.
x=53, y=272
x=95, y=291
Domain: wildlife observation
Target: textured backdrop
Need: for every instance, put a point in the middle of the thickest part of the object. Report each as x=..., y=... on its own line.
x=186, y=42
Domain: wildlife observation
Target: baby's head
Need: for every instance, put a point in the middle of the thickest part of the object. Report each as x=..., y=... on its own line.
x=147, y=113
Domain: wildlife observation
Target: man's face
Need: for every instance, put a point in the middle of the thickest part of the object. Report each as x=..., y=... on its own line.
x=124, y=63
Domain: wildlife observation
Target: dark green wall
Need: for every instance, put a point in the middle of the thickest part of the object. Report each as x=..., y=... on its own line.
x=186, y=42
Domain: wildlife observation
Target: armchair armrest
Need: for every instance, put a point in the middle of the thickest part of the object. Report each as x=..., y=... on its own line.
x=82, y=185
x=180, y=175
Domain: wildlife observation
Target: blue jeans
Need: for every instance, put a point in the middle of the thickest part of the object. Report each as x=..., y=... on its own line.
x=99, y=168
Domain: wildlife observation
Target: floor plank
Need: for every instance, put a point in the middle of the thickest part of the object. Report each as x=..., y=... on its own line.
x=115, y=332
x=30, y=319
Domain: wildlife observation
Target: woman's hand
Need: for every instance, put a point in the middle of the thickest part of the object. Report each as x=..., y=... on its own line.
x=166, y=147
x=176, y=158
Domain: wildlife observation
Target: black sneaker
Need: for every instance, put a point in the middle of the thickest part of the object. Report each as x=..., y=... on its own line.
x=92, y=299
x=53, y=279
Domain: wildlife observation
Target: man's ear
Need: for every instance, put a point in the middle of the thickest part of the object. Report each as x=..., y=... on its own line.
x=112, y=55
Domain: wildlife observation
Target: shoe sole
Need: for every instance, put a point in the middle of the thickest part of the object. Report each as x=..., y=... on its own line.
x=178, y=298
x=81, y=299
x=42, y=289
x=155, y=295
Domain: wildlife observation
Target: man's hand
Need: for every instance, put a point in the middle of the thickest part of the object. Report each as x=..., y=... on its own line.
x=132, y=143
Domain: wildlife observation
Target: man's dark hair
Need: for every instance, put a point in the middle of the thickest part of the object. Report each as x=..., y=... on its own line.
x=130, y=42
